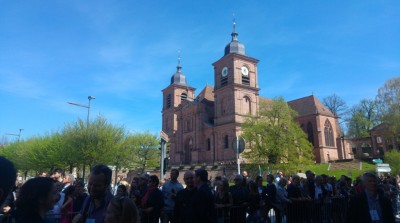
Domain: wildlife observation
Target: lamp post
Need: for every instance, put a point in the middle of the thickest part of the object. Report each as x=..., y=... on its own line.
x=87, y=122
x=19, y=134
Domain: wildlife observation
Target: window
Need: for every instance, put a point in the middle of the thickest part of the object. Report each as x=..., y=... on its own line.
x=183, y=96
x=246, y=105
x=226, y=142
x=224, y=81
x=169, y=101
x=245, y=80
x=310, y=133
x=208, y=144
x=328, y=132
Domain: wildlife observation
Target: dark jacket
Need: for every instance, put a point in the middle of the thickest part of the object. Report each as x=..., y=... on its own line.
x=202, y=205
x=156, y=201
x=182, y=210
x=359, y=211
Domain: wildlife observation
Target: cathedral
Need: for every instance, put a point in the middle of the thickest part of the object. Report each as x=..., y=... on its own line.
x=201, y=128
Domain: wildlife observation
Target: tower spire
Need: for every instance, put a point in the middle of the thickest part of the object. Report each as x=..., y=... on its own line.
x=234, y=33
x=179, y=67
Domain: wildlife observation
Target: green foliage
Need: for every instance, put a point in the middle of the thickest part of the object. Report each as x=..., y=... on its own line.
x=273, y=137
x=80, y=144
x=393, y=158
x=388, y=99
x=362, y=118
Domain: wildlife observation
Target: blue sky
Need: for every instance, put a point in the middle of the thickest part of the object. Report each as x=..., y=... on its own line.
x=124, y=53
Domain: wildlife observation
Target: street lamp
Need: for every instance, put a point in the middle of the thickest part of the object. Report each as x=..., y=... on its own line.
x=19, y=134
x=87, y=123
x=85, y=106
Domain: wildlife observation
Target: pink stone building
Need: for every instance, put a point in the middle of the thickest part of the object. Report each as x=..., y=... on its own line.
x=202, y=127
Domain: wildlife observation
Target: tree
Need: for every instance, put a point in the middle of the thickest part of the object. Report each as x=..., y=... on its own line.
x=144, y=150
x=388, y=99
x=363, y=117
x=392, y=157
x=335, y=104
x=273, y=137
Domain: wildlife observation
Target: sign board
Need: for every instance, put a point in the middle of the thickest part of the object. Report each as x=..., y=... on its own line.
x=238, y=144
x=383, y=168
x=164, y=136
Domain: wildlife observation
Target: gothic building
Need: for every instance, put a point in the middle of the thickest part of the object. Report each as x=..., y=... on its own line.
x=202, y=127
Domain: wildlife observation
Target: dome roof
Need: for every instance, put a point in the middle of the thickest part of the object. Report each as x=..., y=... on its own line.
x=178, y=78
x=234, y=46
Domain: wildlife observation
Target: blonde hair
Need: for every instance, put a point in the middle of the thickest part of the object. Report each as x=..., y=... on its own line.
x=122, y=210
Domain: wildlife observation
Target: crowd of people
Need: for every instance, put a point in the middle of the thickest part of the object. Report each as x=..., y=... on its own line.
x=315, y=198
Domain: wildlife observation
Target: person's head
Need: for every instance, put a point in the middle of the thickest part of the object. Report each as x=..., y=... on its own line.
x=135, y=182
x=282, y=182
x=252, y=187
x=270, y=178
x=245, y=174
x=37, y=195
x=69, y=178
x=143, y=179
x=58, y=174
x=122, y=191
x=259, y=181
x=8, y=175
x=201, y=176
x=310, y=175
x=121, y=210
x=174, y=174
x=42, y=174
x=79, y=187
x=153, y=181
x=370, y=182
x=238, y=180
x=280, y=174
x=99, y=181
x=188, y=178
x=296, y=180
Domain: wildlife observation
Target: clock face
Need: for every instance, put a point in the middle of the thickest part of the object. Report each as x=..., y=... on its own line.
x=245, y=71
x=224, y=72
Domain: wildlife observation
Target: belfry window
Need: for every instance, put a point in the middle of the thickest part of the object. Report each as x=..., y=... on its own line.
x=169, y=101
x=328, y=132
x=246, y=80
x=224, y=81
x=183, y=96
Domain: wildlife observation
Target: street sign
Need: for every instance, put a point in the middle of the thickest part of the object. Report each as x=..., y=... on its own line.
x=238, y=144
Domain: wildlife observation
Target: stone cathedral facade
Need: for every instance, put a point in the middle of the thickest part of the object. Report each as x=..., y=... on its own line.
x=202, y=127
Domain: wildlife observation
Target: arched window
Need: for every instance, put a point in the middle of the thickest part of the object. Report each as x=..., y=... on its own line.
x=246, y=105
x=226, y=142
x=208, y=144
x=188, y=150
x=328, y=132
x=169, y=101
x=310, y=133
x=183, y=96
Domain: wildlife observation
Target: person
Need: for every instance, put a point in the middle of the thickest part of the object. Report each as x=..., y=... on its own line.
x=299, y=203
x=202, y=205
x=67, y=207
x=370, y=206
x=122, y=210
x=58, y=175
x=142, y=188
x=152, y=202
x=79, y=196
x=254, y=203
x=240, y=196
x=95, y=205
x=281, y=200
x=122, y=191
x=8, y=175
x=223, y=201
x=134, y=191
x=169, y=190
x=182, y=212
x=269, y=196
x=67, y=181
x=36, y=197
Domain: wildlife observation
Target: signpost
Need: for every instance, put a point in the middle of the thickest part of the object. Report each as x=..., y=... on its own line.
x=238, y=146
x=164, y=140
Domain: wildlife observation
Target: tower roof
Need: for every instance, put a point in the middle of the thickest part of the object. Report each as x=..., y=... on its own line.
x=234, y=46
x=179, y=78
